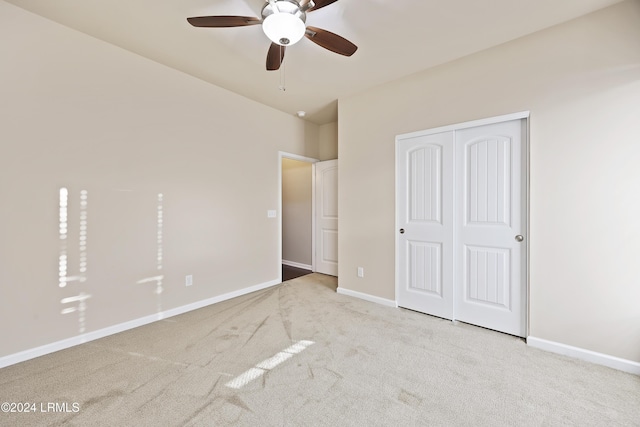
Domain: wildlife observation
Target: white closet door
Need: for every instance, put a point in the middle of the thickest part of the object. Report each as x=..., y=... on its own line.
x=461, y=224
x=490, y=227
x=425, y=224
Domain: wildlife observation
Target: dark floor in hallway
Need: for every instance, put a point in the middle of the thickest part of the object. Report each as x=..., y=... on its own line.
x=289, y=272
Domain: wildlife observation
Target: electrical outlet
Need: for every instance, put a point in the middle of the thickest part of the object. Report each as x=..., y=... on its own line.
x=360, y=272
x=188, y=280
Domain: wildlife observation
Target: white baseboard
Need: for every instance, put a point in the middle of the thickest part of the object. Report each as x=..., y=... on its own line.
x=297, y=265
x=367, y=297
x=587, y=355
x=32, y=353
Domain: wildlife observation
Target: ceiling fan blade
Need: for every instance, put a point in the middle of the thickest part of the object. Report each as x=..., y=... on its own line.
x=331, y=41
x=275, y=56
x=223, y=21
x=320, y=3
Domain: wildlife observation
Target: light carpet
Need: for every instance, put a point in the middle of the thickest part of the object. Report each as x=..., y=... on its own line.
x=299, y=354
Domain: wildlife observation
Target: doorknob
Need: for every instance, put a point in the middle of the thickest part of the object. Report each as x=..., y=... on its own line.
x=519, y=238
x=402, y=231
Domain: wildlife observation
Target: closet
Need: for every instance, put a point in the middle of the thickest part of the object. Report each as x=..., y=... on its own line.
x=461, y=222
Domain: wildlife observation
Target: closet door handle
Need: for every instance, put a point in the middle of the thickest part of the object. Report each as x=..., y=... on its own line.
x=402, y=231
x=519, y=238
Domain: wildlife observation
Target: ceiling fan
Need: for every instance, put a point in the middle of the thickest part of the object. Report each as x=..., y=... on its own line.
x=284, y=22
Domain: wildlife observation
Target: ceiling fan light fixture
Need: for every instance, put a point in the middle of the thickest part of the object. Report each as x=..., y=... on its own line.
x=284, y=29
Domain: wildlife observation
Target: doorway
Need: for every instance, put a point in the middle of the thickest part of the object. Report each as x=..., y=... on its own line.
x=461, y=214
x=297, y=217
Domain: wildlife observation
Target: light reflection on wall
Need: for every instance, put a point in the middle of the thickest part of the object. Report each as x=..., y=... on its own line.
x=63, y=218
x=63, y=259
x=83, y=234
x=159, y=241
x=159, y=255
x=81, y=308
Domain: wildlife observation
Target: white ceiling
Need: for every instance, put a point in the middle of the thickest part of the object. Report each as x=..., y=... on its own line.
x=395, y=38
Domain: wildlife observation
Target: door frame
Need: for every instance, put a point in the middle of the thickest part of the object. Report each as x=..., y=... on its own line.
x=522, y=115
x=313, y=161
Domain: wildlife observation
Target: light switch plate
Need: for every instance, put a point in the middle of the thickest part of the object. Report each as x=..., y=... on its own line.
x=271, y=214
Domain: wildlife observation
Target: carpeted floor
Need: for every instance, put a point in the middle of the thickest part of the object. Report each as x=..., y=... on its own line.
x=299, y=354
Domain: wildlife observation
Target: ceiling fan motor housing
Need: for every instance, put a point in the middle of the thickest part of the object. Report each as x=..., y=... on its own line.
x=286, y=25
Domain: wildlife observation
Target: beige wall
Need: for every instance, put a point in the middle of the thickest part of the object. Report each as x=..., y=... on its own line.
x=78, y=113
x=328, y=141
x=296, y=211
x=581, y=83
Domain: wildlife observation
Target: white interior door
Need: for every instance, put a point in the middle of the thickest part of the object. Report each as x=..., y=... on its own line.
x=326, y=253
x=425, y=224
x=461, y=219
x=490, y=227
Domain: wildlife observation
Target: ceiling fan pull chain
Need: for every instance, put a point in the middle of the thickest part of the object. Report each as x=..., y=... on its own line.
x=283, y=75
